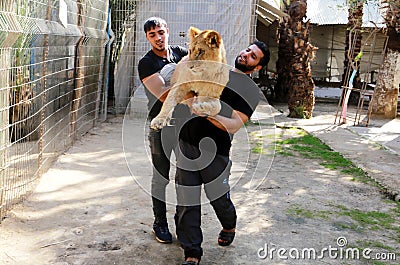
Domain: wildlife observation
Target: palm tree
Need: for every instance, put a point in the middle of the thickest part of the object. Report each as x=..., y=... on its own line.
x=384, y=101
x=284, y=53
x=295, y=52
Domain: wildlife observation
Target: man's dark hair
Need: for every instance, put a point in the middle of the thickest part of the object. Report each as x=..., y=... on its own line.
x=153, y=22
x=264, y=48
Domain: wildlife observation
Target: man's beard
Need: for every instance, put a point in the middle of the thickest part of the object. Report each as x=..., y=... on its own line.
x=242, y=67
x=160, y=46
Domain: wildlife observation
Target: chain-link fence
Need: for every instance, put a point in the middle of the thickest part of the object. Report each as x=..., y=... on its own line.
x=235, y=20
x=65, y=64
x=52, y=84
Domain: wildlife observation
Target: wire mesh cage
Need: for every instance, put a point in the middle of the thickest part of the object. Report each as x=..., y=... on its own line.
x=234, y=20
x=62, y=60
x=51, y=80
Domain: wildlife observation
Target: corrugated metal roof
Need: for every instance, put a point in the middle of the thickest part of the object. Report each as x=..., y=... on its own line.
x=273, y=3
x=327, y=12
x=331, y=12
x=268, y=11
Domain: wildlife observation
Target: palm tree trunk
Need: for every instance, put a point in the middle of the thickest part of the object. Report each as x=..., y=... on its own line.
x=300, y=52
x=285, y=50
x=384, y=101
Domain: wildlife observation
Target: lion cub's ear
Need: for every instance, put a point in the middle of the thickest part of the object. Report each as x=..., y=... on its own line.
x=213, y=39
x=193, y=32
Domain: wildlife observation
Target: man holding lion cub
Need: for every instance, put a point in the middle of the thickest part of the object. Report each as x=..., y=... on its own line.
x=205, y=132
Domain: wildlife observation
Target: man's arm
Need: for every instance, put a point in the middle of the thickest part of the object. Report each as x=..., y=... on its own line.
x=232, y=124
x=229, y=124
x=156, y=85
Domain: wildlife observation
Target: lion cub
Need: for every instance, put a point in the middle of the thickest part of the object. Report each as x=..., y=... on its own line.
x=205, y=73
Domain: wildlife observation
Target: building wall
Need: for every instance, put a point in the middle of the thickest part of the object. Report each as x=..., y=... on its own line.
x=330, y=40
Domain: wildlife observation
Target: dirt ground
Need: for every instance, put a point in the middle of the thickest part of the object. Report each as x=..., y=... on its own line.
x=93, y=207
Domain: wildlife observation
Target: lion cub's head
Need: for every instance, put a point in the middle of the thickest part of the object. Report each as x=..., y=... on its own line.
x=206, y=45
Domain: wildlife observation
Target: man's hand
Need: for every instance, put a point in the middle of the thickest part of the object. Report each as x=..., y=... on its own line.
x=229, y=124
x=189, y=98
x=192, y=98
x=185, y=59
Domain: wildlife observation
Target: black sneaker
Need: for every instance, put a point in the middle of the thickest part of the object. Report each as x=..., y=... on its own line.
x=162, y=233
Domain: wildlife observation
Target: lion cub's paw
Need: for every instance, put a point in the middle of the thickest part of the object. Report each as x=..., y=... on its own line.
x=210, y=107
x=158, y=123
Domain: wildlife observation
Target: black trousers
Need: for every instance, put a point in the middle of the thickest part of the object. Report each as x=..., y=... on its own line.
x=194, y=169
x=162, y=142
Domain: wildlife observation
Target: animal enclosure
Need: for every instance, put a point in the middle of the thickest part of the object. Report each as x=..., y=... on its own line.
x=65, y=64
x=234, y=20
x=52, y=55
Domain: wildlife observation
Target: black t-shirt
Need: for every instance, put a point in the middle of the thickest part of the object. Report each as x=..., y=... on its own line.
x=240, y=94
x=150, y=64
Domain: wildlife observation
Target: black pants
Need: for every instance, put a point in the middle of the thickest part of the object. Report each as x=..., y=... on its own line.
x=162, y=143
x=191, y=173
